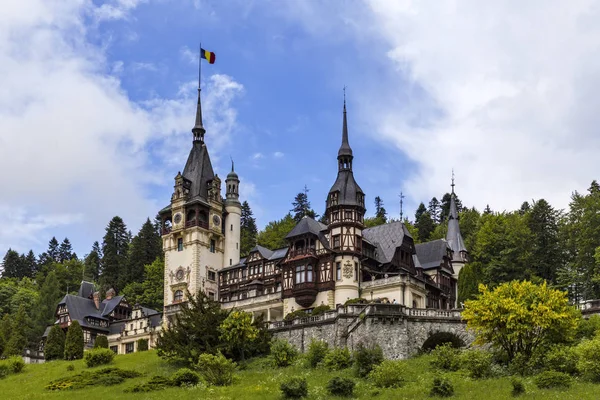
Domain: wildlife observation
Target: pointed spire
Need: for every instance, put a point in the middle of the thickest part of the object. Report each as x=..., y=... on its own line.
x=453, y=236
x=232, y=164
x=345, y=152
x=198, y=129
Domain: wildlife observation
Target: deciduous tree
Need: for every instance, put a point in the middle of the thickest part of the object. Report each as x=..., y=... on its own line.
x=238, y=332
x=273, y=236
x=519, y=317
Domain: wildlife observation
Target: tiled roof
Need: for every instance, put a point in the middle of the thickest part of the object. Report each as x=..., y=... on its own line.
x=431, y=254
x=387, y=238
x=307, y=225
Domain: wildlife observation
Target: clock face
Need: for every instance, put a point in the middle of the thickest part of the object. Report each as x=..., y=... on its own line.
x=177, y=218
x=179, y=274
x=216, y=220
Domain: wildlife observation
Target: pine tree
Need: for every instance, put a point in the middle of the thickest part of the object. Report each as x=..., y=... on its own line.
x=18, y=334
x=92, y=263
x=525, y=208
x=302, y=206
x=425, y=226
x=145, y=247
x=420, y=210
x=487, y=210
x=30, y=264
x=468, y=282
x=12, y=265
x=248, y=230
x=65, y=251
x=434, y=210
x=546, y=251
x=445, y=206
x=54, y=349
x=115, y=247
x=74, y=342
x=50, y=294
x=5, y=328
x=380, y=212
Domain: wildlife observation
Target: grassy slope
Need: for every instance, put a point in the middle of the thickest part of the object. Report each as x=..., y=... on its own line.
x=263, y=383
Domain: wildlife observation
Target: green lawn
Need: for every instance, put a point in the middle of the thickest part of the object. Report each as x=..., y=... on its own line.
x=258, y=382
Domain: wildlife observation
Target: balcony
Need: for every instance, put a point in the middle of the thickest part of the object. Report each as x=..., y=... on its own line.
x=305, y=293
x=303, y=252
x=201, y=224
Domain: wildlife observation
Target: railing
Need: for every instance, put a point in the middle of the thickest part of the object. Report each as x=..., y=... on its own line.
x=193, y=222
x=252, y=300
x=307, y=251
x=173, y=308
x=381, y=282
x=433, y=313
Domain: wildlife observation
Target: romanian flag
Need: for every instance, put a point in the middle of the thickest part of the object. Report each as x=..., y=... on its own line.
x=208, y=56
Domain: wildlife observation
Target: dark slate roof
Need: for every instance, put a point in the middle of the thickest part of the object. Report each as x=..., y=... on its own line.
x=198, y=169
x=263, y=251
x=279, y=253
x=307, y=225
x=454, y=238
x=348, y=188
x=86, y=290
x=387, y=238
x=116, y=327
x=431, y=254
x=79, y=308
x=107, y=306
x=236, y=266
x=156, y=319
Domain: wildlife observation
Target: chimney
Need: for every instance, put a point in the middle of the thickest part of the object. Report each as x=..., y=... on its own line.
x=110, y=293
x=97, y=300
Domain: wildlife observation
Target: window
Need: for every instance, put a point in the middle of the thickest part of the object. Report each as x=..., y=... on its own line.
x=131, y=327
x=115, y=349
x=230, y=261
x=336, y=242
x=348, y=215
x=244, y=273
x=128, y=347
x=212, y=245
x=300, y=274
x=356, y=270
x=237, y=245
x=338, y=271
x=309, y=273
x=86, y=336
x=212, y=275
x=178, y=296
x=180, y=244
x=231, y=227
x=211, y=295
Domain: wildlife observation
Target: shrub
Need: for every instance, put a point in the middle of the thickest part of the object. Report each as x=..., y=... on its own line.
x=523, y=365
x=318, y=310
x=588, y=328
x=339, y=386
x=216, y=369
x=553, y=379
x=101, y=377
x=317, y=350
x=518, y=388
x=15, y=364
x=294, y=388
x=356, y=300
x=99, y=356
x=157, y=382
x=142, y=345
x=101, y=342
x=54, y=348
x=74, y=342
x=589, y=359
x=446, y=358
x=441, y=387
x=70, y=367
x=477, y=363
x=338, y=359
x=185, y=377
x=389, y=374
x=562, y=359
x=296, y=314
x=366, y=357
x=283, y=353
x=4, y=370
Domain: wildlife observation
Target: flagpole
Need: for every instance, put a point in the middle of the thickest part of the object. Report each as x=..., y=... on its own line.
x=200, y=66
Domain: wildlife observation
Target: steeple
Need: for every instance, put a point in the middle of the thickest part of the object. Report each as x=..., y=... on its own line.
x=453, y=237
x=198, y=129
x=345, y=153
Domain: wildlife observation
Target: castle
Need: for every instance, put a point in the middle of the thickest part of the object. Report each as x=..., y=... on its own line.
x=322, y=265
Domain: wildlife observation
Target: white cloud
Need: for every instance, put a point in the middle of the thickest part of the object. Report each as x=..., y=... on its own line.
x=188, y=55
x=115, y=9
x=144, y=66
x=257, y=156
x=72, y=144
x=278, y=154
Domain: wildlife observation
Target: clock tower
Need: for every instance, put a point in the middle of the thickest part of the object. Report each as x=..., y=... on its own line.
x=193, y=233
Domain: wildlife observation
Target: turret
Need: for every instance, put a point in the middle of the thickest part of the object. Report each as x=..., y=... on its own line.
x=233, y=217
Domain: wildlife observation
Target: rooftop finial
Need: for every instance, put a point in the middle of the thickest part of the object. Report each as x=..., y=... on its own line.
x=231, y=163
x=344, y=98
x=452, y=181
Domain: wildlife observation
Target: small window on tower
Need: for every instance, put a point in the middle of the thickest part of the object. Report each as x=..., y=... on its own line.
x=212, y=245
x=338, y=271
x=180, y=244
x=212, y=275
x=336, y=242
x=230, y=261
x=231, y=227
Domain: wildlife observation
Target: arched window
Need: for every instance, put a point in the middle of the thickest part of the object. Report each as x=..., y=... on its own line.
x=178, y=296
x=309, y=273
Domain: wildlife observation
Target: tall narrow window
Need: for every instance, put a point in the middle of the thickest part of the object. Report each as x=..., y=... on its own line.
x=336, y=242
x=180, y=244
x=356, y=270
x=338, y=271
x=300, y=274
x=178, y=296
x=231, y=227
x=309, y=273
x=212, y=245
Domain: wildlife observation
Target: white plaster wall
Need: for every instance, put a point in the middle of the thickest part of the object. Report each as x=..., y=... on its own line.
x=232, y=236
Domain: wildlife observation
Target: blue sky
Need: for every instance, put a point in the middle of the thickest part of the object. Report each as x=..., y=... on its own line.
x=99, y=101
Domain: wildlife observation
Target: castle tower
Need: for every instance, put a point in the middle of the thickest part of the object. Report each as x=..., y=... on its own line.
x=192, y=226
x=454, y=237
x=233, y=210
x=345, y=210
